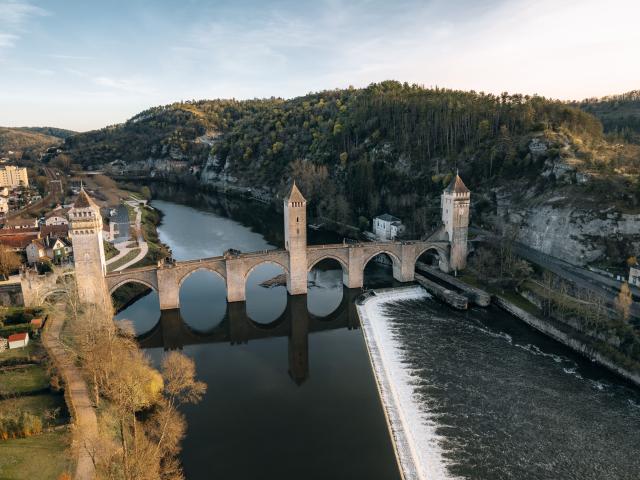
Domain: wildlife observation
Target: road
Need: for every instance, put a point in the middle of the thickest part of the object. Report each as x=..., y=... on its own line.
x=606, y=287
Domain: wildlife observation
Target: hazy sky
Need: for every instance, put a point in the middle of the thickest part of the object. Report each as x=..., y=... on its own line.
x=84, y=64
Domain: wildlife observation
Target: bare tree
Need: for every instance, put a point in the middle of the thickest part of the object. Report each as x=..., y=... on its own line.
x=9, y=261
x=623, y=302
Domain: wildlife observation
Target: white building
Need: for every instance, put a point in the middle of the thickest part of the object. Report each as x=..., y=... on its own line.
x=18, y=340
x=387, y=227
x=4, y=205
x=634, y=275
x=56, y=217
x=12, y=176
x=35, y=251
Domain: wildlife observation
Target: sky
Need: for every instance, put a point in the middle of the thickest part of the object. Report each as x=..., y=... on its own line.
x=83, y=64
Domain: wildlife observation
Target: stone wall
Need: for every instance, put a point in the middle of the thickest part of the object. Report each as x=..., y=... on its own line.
x=565, y=339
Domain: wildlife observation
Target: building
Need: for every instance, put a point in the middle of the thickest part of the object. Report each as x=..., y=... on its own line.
x=21, y=223
x=4, y=205
x=18, y=242
x=455, y=201
x=85, y=230
x=18, y=340
x=59, y=249
x=12, y=176
x=4, y=344
x=56, y=217
x=634, y=275
x=295, y=240
x=36, y=250
x=387, y=227
x=119, y=225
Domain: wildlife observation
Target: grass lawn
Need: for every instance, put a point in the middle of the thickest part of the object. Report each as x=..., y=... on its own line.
x=110, y=251
x=127, y=258
x=33, y=351
x=42, y=457
x=37, y=405
x=23, y=380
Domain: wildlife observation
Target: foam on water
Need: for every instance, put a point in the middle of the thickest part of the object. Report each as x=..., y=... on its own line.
x=413, y=429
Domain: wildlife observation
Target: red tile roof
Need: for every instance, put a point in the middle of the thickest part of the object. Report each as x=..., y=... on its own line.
x=16, y=337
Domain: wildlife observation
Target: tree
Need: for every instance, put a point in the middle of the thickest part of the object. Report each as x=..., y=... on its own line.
x=623, y=302
x=9, y=261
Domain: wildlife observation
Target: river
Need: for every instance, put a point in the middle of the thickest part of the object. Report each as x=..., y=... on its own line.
x=291, y=393
x=289, y=405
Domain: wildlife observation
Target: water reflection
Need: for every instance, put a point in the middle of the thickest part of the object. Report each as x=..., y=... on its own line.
x=171, y=332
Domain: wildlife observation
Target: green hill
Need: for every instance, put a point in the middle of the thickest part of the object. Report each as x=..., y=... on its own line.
x=20, y=140
x=620, y=114
x=389, y=147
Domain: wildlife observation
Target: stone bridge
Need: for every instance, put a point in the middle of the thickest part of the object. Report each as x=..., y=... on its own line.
x=166, y=279
x=297, y=258
x=171, y=332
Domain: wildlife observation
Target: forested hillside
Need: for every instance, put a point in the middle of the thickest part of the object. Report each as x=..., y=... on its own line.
x=26, y=140
x=620, y=114
x=391, y=147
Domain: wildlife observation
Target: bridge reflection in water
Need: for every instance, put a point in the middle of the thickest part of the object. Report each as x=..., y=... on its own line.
x=171, y=332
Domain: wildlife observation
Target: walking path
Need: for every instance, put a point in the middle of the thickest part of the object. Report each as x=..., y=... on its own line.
x=84, y=417
x=142, y=244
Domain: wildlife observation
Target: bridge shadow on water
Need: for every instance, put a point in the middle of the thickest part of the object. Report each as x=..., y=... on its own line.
x=172, y=332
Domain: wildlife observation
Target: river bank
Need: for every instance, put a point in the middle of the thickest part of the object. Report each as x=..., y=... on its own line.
x=570, y=341
x=476, y=395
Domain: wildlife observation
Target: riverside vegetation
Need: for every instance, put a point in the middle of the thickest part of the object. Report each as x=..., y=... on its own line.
x=579, y=311
x=140, y=425
x=388, y=147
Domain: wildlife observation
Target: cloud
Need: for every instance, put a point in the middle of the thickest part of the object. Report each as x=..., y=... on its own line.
x=60, y=56
x=14, y=15
x=7, y=39
x=130, y=85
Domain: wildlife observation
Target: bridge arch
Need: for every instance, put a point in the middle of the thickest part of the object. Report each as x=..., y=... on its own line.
x=200, y=269
x=328, y=256
x=43, y=298
x=394, y=257
x=124, y=281
x=202, y=297
x=443, y=255
x=277, y=263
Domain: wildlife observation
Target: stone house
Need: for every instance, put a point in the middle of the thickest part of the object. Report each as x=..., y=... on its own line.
x=35, y=251
x=56, y=249
x=56, y=217
x=386, y=227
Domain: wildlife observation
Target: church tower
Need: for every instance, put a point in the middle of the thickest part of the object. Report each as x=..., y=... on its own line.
x=295, y=240
x=455, y=202
x=85, y=230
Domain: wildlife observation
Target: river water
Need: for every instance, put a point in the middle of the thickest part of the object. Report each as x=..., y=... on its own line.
x=291, y=393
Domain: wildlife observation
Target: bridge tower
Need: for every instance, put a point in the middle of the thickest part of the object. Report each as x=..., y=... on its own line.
x=295, y=240
x=85, y=230
x=455, y=202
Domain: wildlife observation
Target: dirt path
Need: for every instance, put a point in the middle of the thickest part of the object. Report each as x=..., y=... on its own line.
x=85, y=430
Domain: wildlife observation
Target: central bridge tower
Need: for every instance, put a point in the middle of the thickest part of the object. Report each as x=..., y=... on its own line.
x=295, y=240
x=455, y=202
